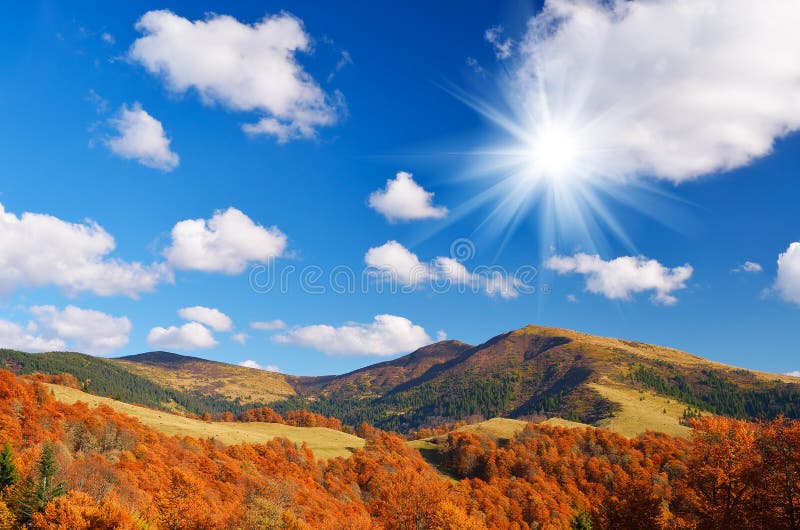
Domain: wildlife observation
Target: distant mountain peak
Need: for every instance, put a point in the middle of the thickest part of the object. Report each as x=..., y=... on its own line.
x=160, y=358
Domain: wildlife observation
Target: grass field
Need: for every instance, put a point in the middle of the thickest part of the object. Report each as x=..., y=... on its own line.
x=641, y=411
x=326, y=443
x=499, y=428
x=561, y=422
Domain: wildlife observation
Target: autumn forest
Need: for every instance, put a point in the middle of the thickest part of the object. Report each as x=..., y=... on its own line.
x=68, y=466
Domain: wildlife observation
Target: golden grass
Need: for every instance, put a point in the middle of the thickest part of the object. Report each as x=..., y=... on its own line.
x=326, y=443
x=212, y=378
x=499, y=428
x=561, y=422
x=641, y=411
x=647, y=351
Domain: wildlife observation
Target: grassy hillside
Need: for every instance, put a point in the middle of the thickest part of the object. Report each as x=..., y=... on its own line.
x=326, y=443
x=209, y=378
x=531, y=373
x=377, y=379
x=105, y=377
x=625, y=385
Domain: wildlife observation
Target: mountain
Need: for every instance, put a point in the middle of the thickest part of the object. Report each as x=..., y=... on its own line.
x=147, y=384
x=626, y=386
x=533, y=372
x=196, y=376
x=377, y=379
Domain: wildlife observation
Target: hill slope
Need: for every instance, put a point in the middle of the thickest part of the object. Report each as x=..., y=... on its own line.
x=626, y=386
x=199, y=376
x=531, y=373
x=325, y=443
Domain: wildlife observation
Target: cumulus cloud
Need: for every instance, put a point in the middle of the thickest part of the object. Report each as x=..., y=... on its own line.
x=227, y=243
x=86, y=330
x=213, y=318
x=787, y=283
x=620, y=278
x=189, y=336
x=41, y=250
x=268, y=325
x=398, y=262
x=503, y=46
x=393, y=262
x=404, y=200
x=244, y=67
x=249, y=363
x=141, y=137
x=386, y=335
x=15, y=337
x=749, y=266
x=665, y=88
x=241, y=338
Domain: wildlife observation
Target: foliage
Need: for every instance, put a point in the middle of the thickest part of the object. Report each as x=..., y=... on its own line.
x=9, y=475
x=42, y=486
x=119, y=474
x=717, y=392
x=7, y=519
x=105, y=378
x=581, y=521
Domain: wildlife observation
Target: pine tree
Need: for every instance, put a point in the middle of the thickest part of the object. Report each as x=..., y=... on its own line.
x=8, y=468
x=42, y=487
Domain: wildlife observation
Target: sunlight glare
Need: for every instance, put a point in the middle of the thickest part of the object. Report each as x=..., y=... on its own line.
x=553, y=154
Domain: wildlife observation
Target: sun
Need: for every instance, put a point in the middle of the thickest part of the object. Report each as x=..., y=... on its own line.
x=553, y=154
x=547, y=164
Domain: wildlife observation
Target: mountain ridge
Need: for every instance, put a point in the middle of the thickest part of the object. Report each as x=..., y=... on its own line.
x=531, y=372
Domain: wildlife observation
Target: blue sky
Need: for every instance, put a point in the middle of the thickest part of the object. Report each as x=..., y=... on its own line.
x=113, y=131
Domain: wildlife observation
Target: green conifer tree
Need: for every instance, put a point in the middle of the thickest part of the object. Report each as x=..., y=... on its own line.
x=8, y=468
x=42, y=487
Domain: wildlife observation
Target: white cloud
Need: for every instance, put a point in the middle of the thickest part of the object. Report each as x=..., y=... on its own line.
x=108, y=38
x=787, y=282
x=100, y=103
x=502, y=46
x=241, y=338
x=668, y=88
x=386, y=335
x=572, y=298
x=227, y=243
x=395, y=263
x=794, y=373
x=620, y=278
x=189, y=336
x=239, y=66
x=86, y=330
x=749, y=266
x=253, y=364
x=15, y=337
x=405, y=200
x=213, y=318
x=344, y=60
x=268, y=325
x=141, y=137
x=39, y=250
x=473, y=63
x=441, y=335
